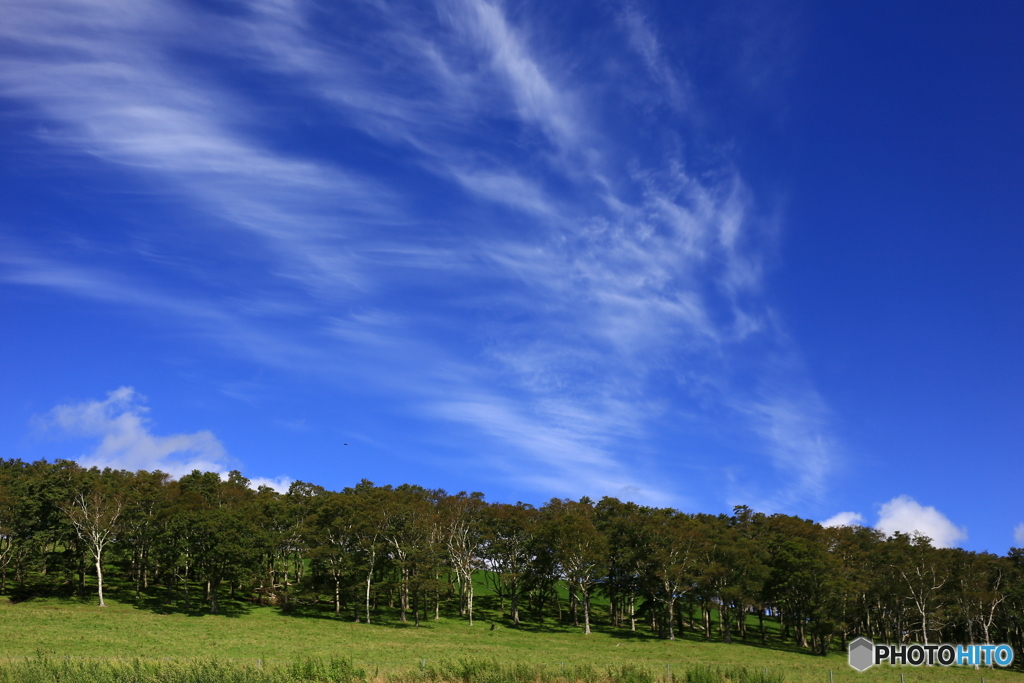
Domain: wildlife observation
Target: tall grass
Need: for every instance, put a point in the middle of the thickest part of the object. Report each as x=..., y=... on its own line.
x=705, y=673
x=476, y=670
x=44, y=669
x=49, y=670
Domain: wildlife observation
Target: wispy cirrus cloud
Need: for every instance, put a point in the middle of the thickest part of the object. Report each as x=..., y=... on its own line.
x=537, y=100
x=109, y=89
x=584, y=274
x=644, y=41
x=795, y=432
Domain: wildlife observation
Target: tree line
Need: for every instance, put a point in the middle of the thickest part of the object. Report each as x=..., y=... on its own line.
x=201, y=537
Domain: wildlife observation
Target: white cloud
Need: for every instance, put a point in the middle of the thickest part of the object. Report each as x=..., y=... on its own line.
x=905, y=514
x=1018, y=534
x=844, y=519
x=279, y=484
x=126, y=442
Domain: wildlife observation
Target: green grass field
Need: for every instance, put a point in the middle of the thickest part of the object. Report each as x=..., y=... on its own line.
x=75, y=628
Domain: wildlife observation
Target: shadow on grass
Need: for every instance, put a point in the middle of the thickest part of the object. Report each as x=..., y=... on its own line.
x=643, y=633
x=152, y=599
x=692, y=636
x=386, y=617
x=38, y=589
x=155, y=599
x=489, y=613
x=158, y=604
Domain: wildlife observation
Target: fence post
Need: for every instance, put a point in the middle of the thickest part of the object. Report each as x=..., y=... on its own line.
x=259, y=665
x=829, y=677
x=423, y=664
x=668, y=673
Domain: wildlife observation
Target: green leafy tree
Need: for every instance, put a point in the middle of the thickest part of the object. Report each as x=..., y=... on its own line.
x=509, y=543
x=93, y=513
x=673, y=547
x=462, y=533
x=578, y=547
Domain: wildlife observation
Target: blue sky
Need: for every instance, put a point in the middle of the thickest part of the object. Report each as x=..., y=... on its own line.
x=698, y=256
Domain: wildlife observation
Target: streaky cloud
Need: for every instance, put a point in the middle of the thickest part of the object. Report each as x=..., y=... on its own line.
x=565, y=278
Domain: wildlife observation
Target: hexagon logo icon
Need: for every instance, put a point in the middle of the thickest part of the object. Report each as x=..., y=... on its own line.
x=862, y=654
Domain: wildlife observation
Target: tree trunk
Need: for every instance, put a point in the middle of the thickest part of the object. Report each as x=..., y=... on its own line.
x=671, y=605
x=212, y=587
x=99, y=575
x=137, y=573
x=403, y=594
x=369, y=577
x=462, y=594
x=586, y=612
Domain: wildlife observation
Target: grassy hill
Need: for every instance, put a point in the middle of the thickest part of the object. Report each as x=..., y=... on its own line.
x=76, y=628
